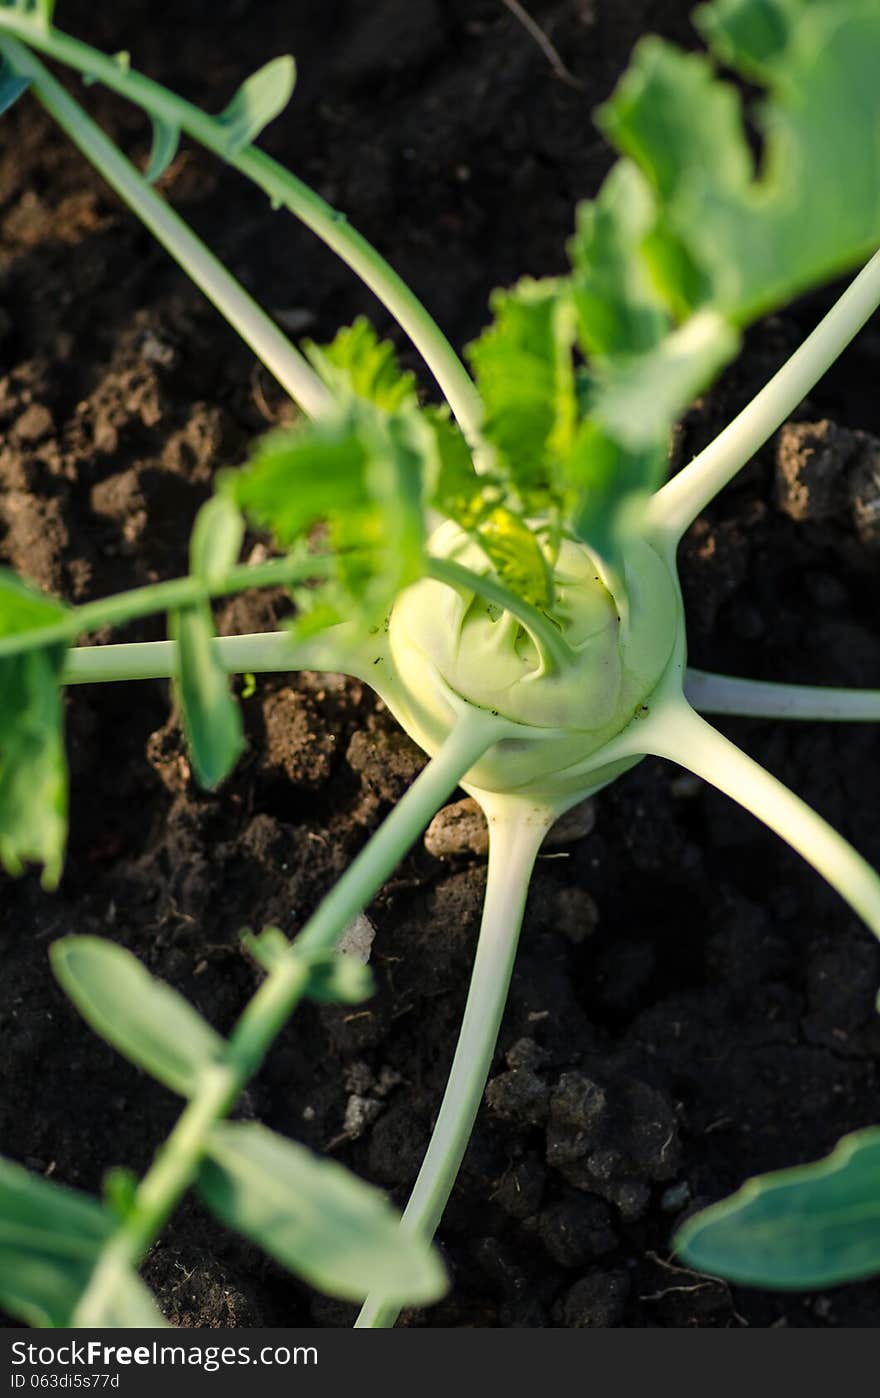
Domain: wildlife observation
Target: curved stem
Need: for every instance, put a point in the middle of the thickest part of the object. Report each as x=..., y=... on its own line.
x=674, y=508
x=680, y=734
x=176, y=1164
x=551, y=644
x=516, y=830
x=255, y=327
x=283, y=188
x=725, y=694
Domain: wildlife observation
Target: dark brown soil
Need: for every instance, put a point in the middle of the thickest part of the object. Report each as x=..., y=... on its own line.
x=689, y=994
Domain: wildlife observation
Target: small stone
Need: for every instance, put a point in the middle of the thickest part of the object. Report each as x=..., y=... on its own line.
x=576, y=824
x=360, y=1113
x=357, y=939
x=459, y=828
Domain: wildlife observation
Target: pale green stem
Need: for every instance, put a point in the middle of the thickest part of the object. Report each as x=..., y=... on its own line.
x=338, y=650
x=724, y=694
x=678, y=733
x=176, y=1164
x=674, y=508
x=516, y=830
x=255, y=327
x=164, y=597
x=283, y=188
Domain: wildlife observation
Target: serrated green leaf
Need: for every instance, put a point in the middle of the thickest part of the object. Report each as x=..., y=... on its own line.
x=813, y=1226
x=33, y=768
x=296, y=478
x=211, y=716
x=358, y=362
x=166, y=139
x=50, y=1237
x=812, y=209
x=750, y=35
x=216, y=539
x=261, y=98
x=12, y=85
x=148, y=1022
x=315, y=1218
x=618, y=307
x=361, y=473
x=525, y=373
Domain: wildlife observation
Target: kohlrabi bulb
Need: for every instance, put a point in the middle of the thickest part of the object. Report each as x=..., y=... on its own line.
x=449, y=644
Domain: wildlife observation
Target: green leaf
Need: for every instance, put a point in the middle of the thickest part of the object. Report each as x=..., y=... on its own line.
x=525, y=373
x=358, y=362
x=166, y=139
x=260, y=99
x=812, y=210
x=608, y=485
x=50, y=1238
x=618, y=306
x=148, y=1022
x=636, y=398
x=361, y=473
x=298, y=477
x=211, y=717
x=315, y=1218
x=750, y=35
x=128, y=1305
x=33, y=769
x=216, y=539
x=813, y=1226
x=12, y=85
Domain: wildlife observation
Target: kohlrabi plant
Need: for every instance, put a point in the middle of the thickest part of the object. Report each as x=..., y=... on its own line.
x=500, y=569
